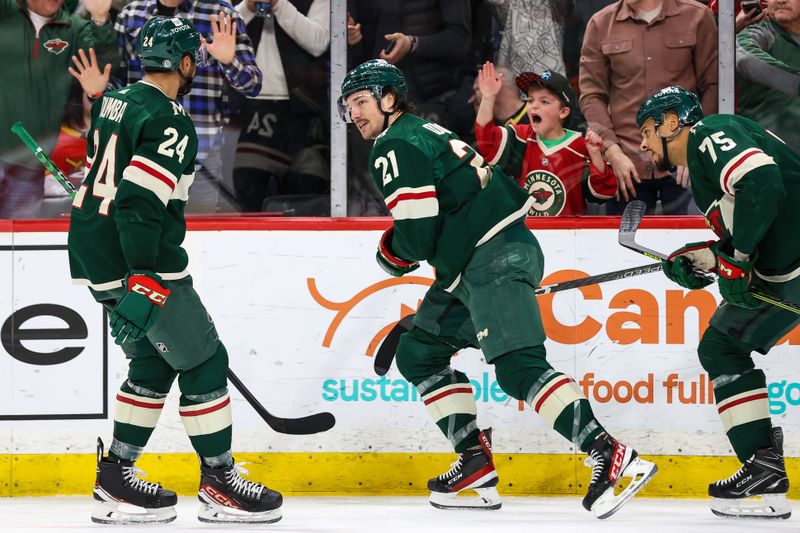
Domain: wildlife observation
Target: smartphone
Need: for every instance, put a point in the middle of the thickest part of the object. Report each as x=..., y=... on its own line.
x=752, y=7
x=389, y=47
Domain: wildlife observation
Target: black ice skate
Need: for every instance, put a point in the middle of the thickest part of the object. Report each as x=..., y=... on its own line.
x=122, y=497
x=611, y=461
x=228, y=497
x=474, y=470
x=758, y=489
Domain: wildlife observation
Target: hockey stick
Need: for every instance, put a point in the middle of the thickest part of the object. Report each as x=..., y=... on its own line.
x=632, y=217
x=306, y=425
x=388, y=348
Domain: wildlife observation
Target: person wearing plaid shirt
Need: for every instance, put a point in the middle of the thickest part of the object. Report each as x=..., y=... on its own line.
x=232, y=61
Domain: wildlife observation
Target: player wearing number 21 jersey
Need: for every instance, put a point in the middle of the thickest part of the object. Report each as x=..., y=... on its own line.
x=467, y=221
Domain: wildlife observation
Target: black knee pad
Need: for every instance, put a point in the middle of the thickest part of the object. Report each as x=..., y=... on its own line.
x=210, y=375
x=517, y=371
x=721, y=354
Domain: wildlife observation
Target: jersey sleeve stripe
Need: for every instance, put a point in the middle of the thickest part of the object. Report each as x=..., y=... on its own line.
x=143, y=179
x=741, y=165
x=423, y=205
x=155, y=169
x=408, y=190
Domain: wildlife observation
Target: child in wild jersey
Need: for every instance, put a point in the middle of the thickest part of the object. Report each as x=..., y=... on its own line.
x=559, y=168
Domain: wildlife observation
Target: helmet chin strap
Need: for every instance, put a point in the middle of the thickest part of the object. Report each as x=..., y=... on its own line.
x=665, y=163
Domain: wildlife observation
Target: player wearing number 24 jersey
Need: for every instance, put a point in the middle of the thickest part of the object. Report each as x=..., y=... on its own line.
x=467, y=221
x=125, y=239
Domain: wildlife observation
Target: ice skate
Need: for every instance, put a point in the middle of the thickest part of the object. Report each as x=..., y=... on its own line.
x=122, y=497
x=611, y=461
x=474, y=470
x=227, y=497
x=758, y=489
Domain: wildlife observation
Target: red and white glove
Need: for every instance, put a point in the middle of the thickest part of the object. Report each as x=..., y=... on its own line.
x=388, y=261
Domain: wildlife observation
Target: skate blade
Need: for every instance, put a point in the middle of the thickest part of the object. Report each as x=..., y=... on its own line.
x=125, y=513
x=640, y=472
x=487, y=500
x=218, y=514
x=763, y=507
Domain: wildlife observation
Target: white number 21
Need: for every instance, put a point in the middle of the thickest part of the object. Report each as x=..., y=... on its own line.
x=383, y=163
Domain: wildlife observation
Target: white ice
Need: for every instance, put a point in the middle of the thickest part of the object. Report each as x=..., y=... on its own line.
x=377, y=514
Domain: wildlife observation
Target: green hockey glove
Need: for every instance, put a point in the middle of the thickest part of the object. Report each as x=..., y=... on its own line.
x=137, y=310
x=681, y=264
x=393, y=265
x=734, y=281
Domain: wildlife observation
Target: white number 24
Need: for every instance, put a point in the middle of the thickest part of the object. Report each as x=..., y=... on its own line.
x=166, y=149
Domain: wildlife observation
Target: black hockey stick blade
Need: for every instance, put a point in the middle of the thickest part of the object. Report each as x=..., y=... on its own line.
x=631, y=218
x=307, y=425
x=387, y=349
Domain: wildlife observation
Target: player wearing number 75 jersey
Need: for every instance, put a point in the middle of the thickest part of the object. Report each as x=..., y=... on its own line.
x=467, y=221
x=747, y=183
x=125, y=236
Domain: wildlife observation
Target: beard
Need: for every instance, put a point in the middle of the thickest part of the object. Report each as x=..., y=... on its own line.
x=186, y=83
x=663, y=165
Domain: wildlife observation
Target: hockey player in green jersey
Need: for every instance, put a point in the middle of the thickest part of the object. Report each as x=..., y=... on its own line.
x=747, y=183
x=125, y=236
x=467, y=221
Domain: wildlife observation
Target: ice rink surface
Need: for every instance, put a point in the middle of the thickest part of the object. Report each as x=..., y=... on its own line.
x=405, y=514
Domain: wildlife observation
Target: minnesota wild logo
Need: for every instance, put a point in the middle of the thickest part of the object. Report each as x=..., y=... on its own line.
x=55, y=46
x=548, y=193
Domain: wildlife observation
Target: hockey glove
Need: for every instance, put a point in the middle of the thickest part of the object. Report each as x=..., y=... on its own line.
x=734, y=281
x=137, y=310
x=681, y=264
x=393, y=265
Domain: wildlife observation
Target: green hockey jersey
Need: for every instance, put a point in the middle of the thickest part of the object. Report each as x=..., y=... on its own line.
x=129, y=211
x=747, y=183
x=444, y=199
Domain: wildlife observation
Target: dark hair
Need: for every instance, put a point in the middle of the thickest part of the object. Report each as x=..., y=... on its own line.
x=401, y=103
x=73, y=110
x=561, y=10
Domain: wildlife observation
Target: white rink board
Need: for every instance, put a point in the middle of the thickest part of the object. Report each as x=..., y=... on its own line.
x=298, y=311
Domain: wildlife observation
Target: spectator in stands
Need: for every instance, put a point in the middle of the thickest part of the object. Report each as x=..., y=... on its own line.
x=231, y=63
x=35, y=34
x=291, y=110
x=430, y=40
x=533, y=34
x=756, y=12
x=558, y=167
x=631, y=50
x=574, y=29
x=768, y=71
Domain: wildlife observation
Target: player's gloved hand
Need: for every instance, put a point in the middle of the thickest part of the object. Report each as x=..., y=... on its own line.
x=388, y=261
x=137, y=310
x=734, y=280
x=681, y=264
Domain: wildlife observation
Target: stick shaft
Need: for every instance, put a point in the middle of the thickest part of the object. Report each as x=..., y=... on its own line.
x=19, y=130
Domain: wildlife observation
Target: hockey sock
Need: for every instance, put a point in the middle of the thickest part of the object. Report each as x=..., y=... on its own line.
x=138, y=406
x=526, y=375
x=205, y=408
x=743, y=406
x=740, y=391
x=424, y=360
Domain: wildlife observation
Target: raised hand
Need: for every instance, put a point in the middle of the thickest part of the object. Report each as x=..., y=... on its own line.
x=353, y=31
x=489, y=81
x=98, y=9
x=87, y=72
x=223, y=35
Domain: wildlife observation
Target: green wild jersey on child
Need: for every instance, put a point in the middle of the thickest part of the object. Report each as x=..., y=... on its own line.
x=443, y=198
x=129, y=211
x=747, y=182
